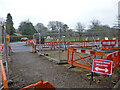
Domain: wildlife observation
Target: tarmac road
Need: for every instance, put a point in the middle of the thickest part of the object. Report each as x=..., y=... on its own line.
x=20, y=47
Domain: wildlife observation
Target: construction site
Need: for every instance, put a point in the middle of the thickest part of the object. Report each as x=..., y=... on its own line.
x=56, y=59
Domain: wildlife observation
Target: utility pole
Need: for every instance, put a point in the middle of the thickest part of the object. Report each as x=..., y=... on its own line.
x=119, y=23
x=6, y=51
x=59, y=46
x=1, y=32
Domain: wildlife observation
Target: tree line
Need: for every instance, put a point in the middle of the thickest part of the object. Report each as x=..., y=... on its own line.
x=96, y=29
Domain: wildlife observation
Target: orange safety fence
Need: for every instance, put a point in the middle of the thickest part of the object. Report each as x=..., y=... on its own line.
x=76, y=51
x=1, y=47
x=9, y=48
x=4, y=78
x=53, y=45
x=29, y=42
x=83, y=44
x=40, y=85
x=34, y=47
x=115, y=57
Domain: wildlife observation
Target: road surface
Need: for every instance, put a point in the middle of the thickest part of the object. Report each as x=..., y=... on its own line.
x=20, y=47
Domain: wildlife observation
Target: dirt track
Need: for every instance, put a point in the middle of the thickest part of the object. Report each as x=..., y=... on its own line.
x=27, y=68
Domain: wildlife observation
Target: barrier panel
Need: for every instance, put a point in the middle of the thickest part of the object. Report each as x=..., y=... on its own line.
x=40, y=85
x=34, y=47
x=78, y=44
x=115, y=57
x=95, y=43
x=83, y=44
x=29, y=42
x=86, y=64
x=65, y=45
x=52, y=45
x=4, y=78
x=9, y=49
x=109, y=45
x=1, y=47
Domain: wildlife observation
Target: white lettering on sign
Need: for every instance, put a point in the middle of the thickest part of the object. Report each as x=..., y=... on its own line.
x=113, y=42
x=102, y=62
x=101, y=65
x=109, y=43
x=104, y=43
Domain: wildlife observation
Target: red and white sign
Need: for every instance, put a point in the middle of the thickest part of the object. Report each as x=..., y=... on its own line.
x=108, y=42
x=102, y=66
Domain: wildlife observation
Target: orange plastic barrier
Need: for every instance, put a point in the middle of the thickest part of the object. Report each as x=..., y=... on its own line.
x=115, y=57
x=89, y=52
x=34, y=47
x=1, y=47
x=4, y=78
x=40, y=85
x=52, y=45
x=83, y=44
x=30, y=42
x=9, y=48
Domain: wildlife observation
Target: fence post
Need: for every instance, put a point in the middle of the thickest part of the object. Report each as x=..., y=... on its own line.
x=6, y=52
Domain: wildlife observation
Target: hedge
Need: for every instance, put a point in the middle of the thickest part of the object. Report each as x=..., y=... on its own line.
x=17, y=38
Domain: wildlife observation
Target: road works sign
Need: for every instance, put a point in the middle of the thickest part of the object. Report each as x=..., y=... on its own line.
x=102, y=66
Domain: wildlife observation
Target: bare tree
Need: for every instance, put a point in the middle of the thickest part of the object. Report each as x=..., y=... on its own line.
x=41, y=29
x=80, y=29
x=54, y=26
x=95, y=24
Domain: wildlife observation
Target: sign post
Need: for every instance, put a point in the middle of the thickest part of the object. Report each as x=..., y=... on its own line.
x=103, y=67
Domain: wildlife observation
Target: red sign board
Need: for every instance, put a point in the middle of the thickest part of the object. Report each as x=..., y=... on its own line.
x=102, y=66
x=108, y=42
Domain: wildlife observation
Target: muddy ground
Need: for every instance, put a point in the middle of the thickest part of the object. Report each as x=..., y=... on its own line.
x=98, y=79
x=26, y=68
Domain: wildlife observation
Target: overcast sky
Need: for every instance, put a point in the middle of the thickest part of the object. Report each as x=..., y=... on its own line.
x=67, y=11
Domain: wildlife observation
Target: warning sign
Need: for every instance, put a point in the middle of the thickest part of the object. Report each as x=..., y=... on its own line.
x=102, y=66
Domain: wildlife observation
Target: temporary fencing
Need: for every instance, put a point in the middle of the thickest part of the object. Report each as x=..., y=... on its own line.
x=52, y=45
x=1, y=47
x=40, y=85
x=84, y=44
x=64, y=45
x=34, y=47
x=81, y=60
x=30, y=42
x=90, y=54
x=115, y=57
